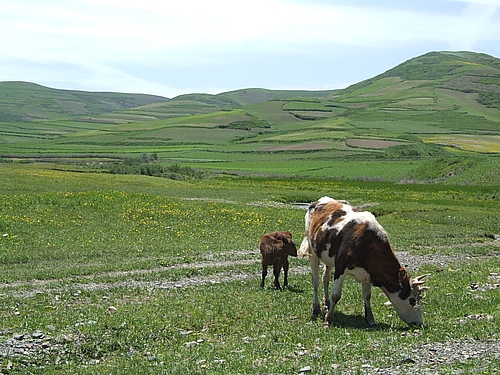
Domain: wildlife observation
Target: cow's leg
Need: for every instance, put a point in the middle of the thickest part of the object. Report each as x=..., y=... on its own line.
x=327, y=270
x=367, y=295
x=285, y=270
x=336, y=294
x=276, y=272
x=264, y=273
x=315, y=285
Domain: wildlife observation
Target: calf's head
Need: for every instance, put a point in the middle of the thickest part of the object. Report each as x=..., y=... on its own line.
x=288, y=245
x=290, y=248
x=407, y=302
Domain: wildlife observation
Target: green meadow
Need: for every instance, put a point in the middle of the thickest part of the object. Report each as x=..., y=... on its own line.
x=129, y=224
x=179, y=261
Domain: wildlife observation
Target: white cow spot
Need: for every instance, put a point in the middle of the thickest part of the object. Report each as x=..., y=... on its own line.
x=360, y=275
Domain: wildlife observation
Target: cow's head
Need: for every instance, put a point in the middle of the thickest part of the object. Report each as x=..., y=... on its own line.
x=407, y=302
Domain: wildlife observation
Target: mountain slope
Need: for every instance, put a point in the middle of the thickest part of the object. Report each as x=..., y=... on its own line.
x=195, y=104
x=446, y=66
x=28, y=101
x=464, y=72
x=244, y=97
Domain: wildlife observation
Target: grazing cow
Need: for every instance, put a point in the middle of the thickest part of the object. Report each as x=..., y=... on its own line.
x=275, y=248
x=353, y=243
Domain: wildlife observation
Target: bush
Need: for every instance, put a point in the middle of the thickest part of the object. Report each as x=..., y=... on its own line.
x=145, y=165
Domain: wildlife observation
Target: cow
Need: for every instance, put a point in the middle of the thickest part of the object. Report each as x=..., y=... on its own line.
x=353, y=243
x=275, y=248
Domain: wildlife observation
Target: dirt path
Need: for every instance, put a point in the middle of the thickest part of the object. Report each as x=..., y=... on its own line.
x=212, y=260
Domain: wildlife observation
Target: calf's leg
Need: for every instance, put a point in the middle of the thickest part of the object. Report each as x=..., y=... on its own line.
x=276, y=272
x=264, y=273
x=285, y=270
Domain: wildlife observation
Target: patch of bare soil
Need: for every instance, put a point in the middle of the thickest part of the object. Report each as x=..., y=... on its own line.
x=212, y=260
x=428, y=359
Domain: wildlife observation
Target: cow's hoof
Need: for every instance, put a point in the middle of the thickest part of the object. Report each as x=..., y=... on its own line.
x=329, y=319
x=316, y=312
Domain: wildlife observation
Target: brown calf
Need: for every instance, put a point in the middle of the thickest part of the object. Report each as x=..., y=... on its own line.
x=275, y=248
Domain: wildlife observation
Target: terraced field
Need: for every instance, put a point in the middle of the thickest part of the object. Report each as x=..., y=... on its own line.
x=395, y=126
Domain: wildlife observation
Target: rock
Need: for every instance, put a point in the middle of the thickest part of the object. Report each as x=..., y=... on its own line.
x=112, y=310
x=190, y=344
x=408, y=361
x=305, y=369
x=37, y=335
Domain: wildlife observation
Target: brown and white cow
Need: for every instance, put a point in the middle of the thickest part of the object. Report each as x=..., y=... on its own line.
x=353, y=243
x=275, y=248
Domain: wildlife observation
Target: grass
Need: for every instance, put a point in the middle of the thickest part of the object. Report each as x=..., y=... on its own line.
x=253, y=331
x=179, y=261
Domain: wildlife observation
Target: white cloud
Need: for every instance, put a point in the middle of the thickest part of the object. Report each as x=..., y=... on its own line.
x=106, y=42
x=477, y=23
x=114, y=30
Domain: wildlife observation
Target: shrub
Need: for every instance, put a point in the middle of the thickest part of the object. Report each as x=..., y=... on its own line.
x=145, y=165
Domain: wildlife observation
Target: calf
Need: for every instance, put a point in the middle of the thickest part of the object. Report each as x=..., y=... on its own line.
x=354, y=243
x=275, y=248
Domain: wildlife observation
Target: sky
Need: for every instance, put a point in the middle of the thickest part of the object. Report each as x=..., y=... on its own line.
x=169, y=48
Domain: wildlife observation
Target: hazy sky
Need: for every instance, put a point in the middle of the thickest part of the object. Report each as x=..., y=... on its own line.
x=168, y=48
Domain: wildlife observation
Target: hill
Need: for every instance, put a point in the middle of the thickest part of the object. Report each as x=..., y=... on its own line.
x=441, y=107
x=23, y=101
x=465, y=72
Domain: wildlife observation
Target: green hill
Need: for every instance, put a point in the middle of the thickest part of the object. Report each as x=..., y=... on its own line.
x=23, y=101
x=195, y=104
x=439, y=106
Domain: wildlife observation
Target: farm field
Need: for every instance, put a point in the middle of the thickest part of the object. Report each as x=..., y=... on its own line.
x=179, y=261
x=438, y=106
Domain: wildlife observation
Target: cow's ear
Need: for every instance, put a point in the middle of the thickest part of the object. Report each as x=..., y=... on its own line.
x=403, y=276
x=283, y=238
x=404, y=282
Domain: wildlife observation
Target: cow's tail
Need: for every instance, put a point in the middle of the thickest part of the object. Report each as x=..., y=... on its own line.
x=305, y=249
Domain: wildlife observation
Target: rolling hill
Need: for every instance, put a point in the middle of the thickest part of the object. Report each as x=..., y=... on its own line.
x=438, y=105
x=23, y=101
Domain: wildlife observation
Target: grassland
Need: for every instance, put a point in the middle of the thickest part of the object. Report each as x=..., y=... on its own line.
x=437, y=106
x=418, y=146
x=179, y=261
